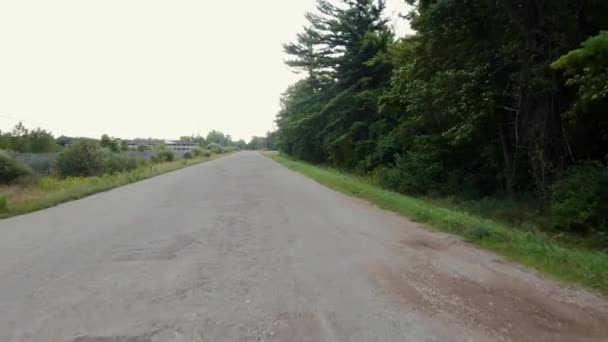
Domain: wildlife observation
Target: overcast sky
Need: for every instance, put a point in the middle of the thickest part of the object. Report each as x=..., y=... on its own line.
x=148, y=68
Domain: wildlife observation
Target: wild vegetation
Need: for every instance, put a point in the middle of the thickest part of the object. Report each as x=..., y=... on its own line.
x=84, y=166
x=488, y=101
x=218, y=142
x=269, y=142
x=528, y=246
x=22, y=139
x=11, y=169
x=29, y=195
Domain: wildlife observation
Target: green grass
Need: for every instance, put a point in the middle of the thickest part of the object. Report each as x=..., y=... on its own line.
x=529, y=247
x=49, y=191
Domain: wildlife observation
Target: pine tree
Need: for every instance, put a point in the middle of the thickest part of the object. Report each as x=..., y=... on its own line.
x=343, y=51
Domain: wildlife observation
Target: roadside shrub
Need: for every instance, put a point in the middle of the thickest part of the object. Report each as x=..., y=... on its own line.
x=201, y=152
x=11, y=169
x=83, y=158
x=143, y=148
x=188, y=155
x=411, y=175
x=214, y=148
x=117, y=162
x=3, y=204
x=419, y=171
x=163, y=154
x=197, y=151
x=579, y=200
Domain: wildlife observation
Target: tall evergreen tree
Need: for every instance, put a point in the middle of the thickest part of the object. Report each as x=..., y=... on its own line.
x=343, y=51
x=476, y=103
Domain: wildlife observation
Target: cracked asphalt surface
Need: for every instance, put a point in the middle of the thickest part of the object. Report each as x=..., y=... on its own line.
x=242, y=249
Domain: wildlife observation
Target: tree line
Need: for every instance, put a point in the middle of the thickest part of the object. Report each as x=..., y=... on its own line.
x=488, y=98
x=25, y=140
x=86, y=157
x=22, y=139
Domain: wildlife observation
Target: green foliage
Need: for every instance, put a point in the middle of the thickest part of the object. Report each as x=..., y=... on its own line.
x=11, y=169
x=197, y=152
x=114, y=162
x=527, y=246
x=200, y=152
x=420, y=171
x=124, y=145
x=256, y=143
x=88, y=158
x=112, y=144
x=344, y=51
x=143, y=148
x=163, y=154
x=587, y=69
x=467, y=106
x=82, y=158
x=188, y=155
x=580, y=199
x=218, y=138
x=214, y=148
x=3, y=204
x=64, y=141
x=50, y=190
x=21, y=139
x=241, y=144
x=269, y=142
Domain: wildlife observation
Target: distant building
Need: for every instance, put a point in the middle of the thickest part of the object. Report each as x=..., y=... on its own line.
x=132, y=145
x=180, y=146
x=175, y=145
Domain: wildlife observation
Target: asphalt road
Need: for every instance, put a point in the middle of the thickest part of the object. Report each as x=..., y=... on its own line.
x=241, y=249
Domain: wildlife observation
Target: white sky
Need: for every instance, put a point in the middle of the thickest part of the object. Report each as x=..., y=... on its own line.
x=148, y=68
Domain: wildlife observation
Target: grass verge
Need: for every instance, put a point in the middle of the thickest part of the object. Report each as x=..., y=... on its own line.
x=528, y=247
x=49, y=191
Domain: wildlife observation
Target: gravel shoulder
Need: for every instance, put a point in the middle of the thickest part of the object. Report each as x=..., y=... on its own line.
x=242, y=249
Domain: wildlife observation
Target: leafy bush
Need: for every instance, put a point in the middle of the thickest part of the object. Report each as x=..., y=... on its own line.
x=579, y=200
x=420, y=171
x=587, y=69
x=22, y=139
x=214, y=148
x=188, y=155
x=83, y=158
x=112, y=144
x=3, y=204
x=197, y=151
x=117, y=162
x=87, y=158
x=201, y=152
x=163, y=154
x=143, y=148
x=11, y=169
